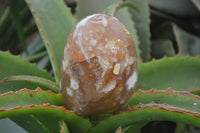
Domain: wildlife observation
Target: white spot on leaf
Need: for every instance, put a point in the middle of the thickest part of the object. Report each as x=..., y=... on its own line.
x=195, y=104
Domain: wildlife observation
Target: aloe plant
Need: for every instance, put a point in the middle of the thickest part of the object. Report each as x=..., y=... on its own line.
x=168, y=82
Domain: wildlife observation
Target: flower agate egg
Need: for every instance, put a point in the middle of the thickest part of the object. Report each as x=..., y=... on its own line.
x=99, y=68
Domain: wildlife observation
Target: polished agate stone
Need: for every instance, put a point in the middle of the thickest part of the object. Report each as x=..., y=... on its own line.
x=99, y=68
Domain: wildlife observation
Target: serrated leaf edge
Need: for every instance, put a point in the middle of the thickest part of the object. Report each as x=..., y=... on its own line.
x=46, y=105
x=38, y=89
x=169, y=91
x=166, y=108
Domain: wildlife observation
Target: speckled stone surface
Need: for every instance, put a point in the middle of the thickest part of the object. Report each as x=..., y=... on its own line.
x=99, y=68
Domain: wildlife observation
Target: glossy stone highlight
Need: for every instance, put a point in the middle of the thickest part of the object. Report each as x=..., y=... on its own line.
x=99, y=68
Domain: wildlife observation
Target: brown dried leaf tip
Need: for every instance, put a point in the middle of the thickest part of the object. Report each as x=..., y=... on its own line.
x=99, y=68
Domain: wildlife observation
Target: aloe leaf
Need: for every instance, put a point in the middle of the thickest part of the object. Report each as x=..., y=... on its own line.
x=27, y=97
x=112, y=9
x=16, y=18
x=13, y=65
x=34, y=79
x=44, y=62
x=196, y=92
x=196, y=3
x=119, y=130
x=147, y=113
x=161, y=48
x=63, y=127
x=51, y=125
x=76, y=124
x=30, y=124
x=135, y=128
x=187, y=43
x=8, y=126
x=54, y=21
x=34, y=47
x=84, y=10
x=8, y=28
x=4, y=20
x=179, y=73
x=184, y=128
x=179, y=99
x=161, y=30
x=142, y=24
x=167, y=102
x=125, y=17
x=37, y=56
x=180, y=8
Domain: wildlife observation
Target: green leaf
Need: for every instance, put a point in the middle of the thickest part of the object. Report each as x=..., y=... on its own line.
x=113, y=9
x=147, y=113
x=179, y=73
x=197, y=4
x=34, y=79
x=63, y=127
x=119, y=130
x=5, y=21
x=166, y=102
x=13, y=65
x=8, y=35
x=24, y=98
x=196, y=92
x=34, y=47
x=51, y=125
x=30, y=124
x=37, y=56
x=27, y=97
x=84, y=10
x=135, y=128
x=178, y=99
x=142, y=24
x=44, y=62
x=16, y=18
x=125, y=17
x=180, y=8
x=76, y=124
x=161, y=48
x=8, y=126
x=187, y=43
x=55, y=22
x=161, y=30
